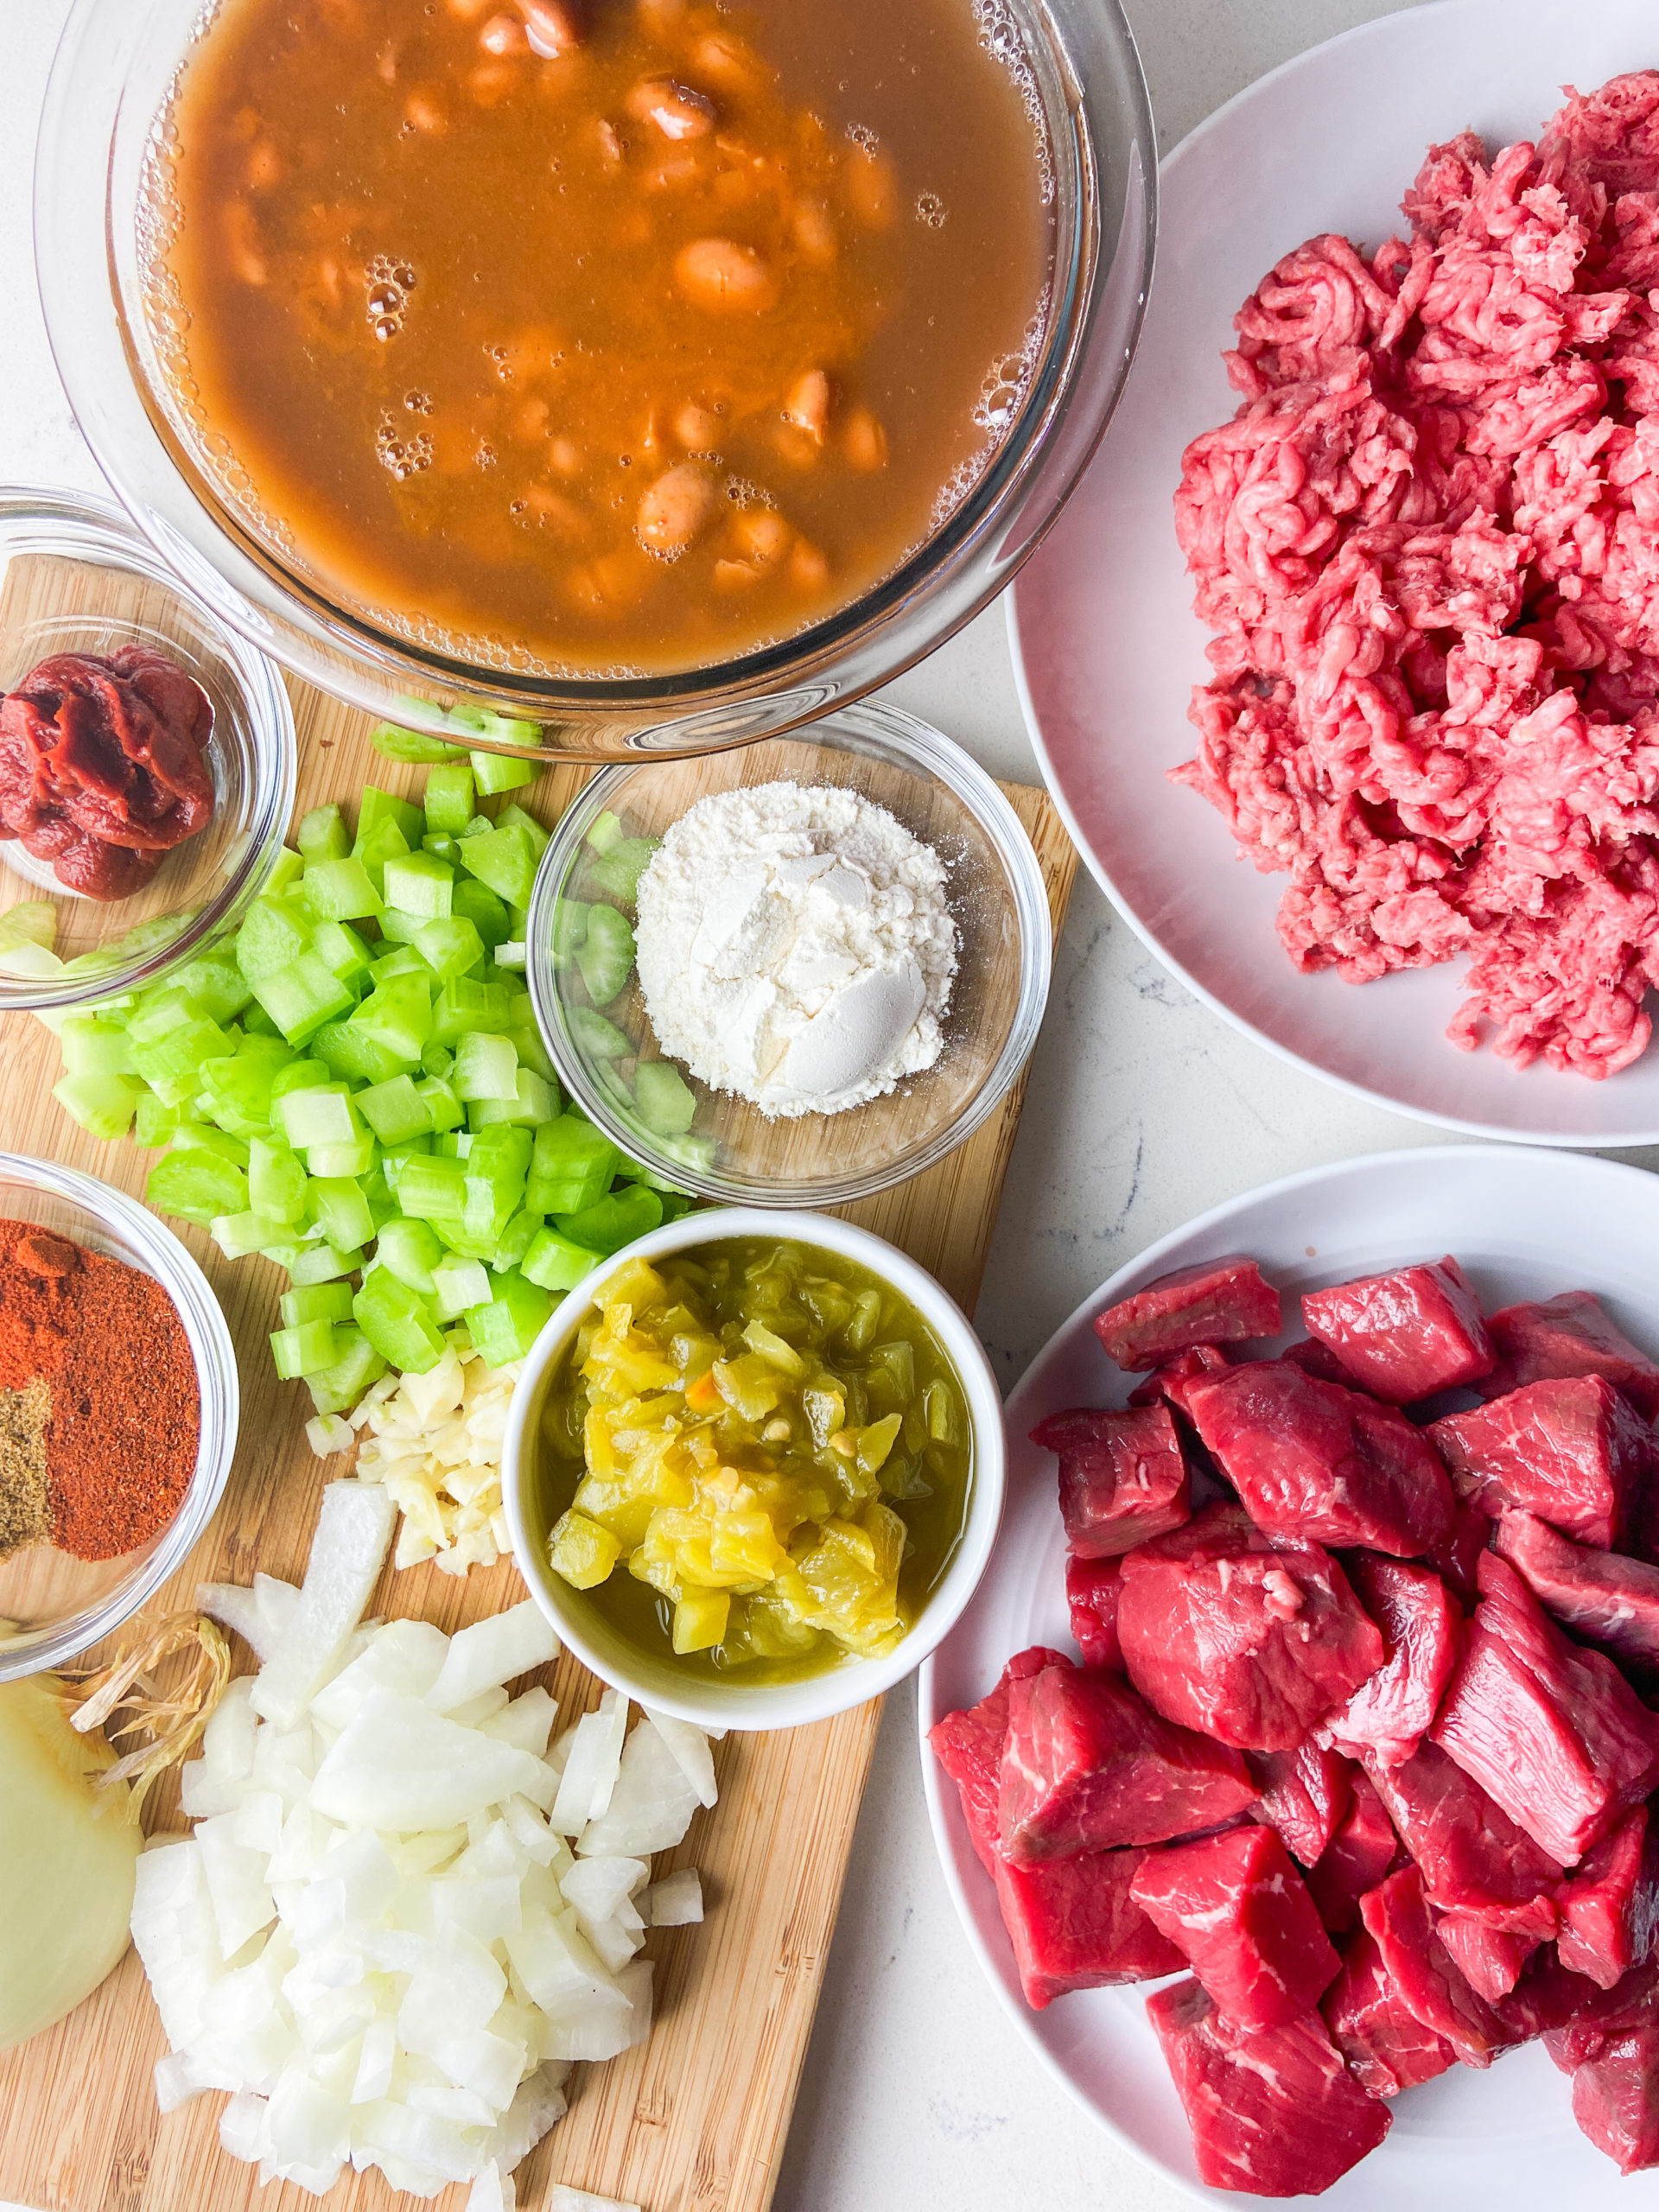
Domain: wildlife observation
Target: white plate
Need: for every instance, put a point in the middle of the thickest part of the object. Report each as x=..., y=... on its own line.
x=1104, y=639
x=1525, y=1225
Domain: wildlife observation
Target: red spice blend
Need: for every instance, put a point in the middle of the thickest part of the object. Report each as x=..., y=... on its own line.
x=126, y=1409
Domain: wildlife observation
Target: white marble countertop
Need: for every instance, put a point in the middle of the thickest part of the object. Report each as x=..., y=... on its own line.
x=1144, y=1110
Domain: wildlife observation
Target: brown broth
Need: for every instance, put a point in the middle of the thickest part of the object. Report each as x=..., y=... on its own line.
x=447, y=310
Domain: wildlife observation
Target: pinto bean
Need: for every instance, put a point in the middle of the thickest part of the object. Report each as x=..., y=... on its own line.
x=676, y=509
x=761, y=537
x=553, y=27
x=698, y=428
x=247, y=250
x=723, y=278
x=808, y=569
x=504, y=35
x=871, y=185
x=424, y=109
x=808, y=402
x=864, y=442
x=814, y=231
x=674, y=109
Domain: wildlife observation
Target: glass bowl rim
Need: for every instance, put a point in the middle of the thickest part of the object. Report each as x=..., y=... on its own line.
x=84, y=519
x=213, y=1355
x=915, y=745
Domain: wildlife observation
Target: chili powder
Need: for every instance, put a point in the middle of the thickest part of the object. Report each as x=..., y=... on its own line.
x=124, y=1409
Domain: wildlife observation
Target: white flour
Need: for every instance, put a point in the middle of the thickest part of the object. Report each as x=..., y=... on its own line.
x=796, y=947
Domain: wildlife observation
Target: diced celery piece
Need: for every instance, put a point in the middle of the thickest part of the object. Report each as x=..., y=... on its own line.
x=513, y=817
x=340, y=1210
x=399, y=929
x=571, y=1167
x=397, y=1323
x=31, y=921
x=468, y=1008
x=323, y=836
x=594, y=1037
x=612, y=1222
x=432, y=1190
x=506, y=1328
x=301, y=997
x=317, y=1301
x=182, y=1051
x=476, y=903
x=307, y=1348
x=103, y=1104
x=156, y=1122
x=448, y=799
x=198, y=1185
x=497, y=1166
x=420, y=884
x=394, y=1111
x=395, y=1158
x=334, y=1160
x=396, y=960
x=442, y=845
x=606, y=832
x=450, y=947
x=339, y=1388
x=323, y=1116
x=485, y=721
x=515, y=1241
x=216, y=983
x=160, y=1010
x=515, y=953
x=239, y=1090
x=323, y=1263
x=695, y=1152
x=340, y=890
x=394, y=744
x=457, y=1284
x=606, y=958
x=499, y=771
x=284, y=872
x=340, y=948
x=620, y=870
x=667, y=1106
x=275, y=931
x=556, y=1263
x=444, y=1110
x=486, y=1067
x=399, y=1015
x=238, y=1235
x=375, y=806
x=302, y=1074
x=202, y=1136
x=437, y=1059
x=349, y=1057
x=532, y=1053
x=503, y=859
x=276, y=1181
x=93, y=1047
x=376, y=843
x=412, y=1251
x=569, y=928
x=535, y=1100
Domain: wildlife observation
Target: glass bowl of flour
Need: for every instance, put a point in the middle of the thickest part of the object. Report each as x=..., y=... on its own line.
x=825, y=959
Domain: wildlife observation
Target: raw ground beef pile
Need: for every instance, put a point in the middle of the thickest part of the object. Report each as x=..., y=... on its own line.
x=1429, y=543
x=1361, y=1742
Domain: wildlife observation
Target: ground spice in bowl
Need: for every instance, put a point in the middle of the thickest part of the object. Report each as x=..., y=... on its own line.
x=100, y=1406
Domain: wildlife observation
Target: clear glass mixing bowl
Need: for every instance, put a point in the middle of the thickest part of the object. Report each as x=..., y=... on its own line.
x=110, y=84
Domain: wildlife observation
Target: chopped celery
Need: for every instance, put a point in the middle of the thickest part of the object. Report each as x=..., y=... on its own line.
x=607, y=831
x=512, y=817
x=31, y=921
x=476, y=903
x=377, y=843
x=605, y=956
x=196, y=1184
x=411, y=1251
x=419, y=885
x=350, y=1057
x=323, y=1116
x=532, y=1053
x=340, y=1210
x=340, y=890
x=444, y=1110
x=342, y=1385
x=465, y=1007
x=448, y=799
x=515, y=1241
x=301, y=997
x=569, y=928
x=156, y=1123
x=102, y=1103
x=324, y=1262
x=486, y=1067
x=503, y=860
x=399, y=929
x=307, y=1348
x=375, y=806
x=275, y=1181
x=613, y=1221
x=95, y=1048
x=595, y=1037
x=432, y=1190
x=303, y=1074
x=556, y=1263
x=458, y=1283
x=334, y=1161
x=394, y=1110
x=506, y=1328
x=322, y=834
x=394, y=744
x=237, y=1089
x=619, y=871
x=571, y=1167
x=667, y=1106
x=397, y=1322
x=396, y=1014
x=449, y=947
x=534, y=1101
x=215, y=982
x=500, y=772
x=236, y=1235
x=274, y=932
x=320, y=1301
x=340, y=948
x=181, y=1052
x=284, y=872
x=201, y=1136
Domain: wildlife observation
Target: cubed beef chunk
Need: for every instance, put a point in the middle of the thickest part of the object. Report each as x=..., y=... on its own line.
x=1240, y=1913
x=1604, y=1598
x=1546, y=1998
x=1404, y=1335
x=1168, y=1384
x=1074, y=1924
x=1311, y=1460
x=1319, y=1360
x=1580, y=2028
x=1610, y=1903
x=1616, y=2099
x=1456, y=1559
x=1123, y=1477
x=1275, y=2113
x=1088, y=1766
x=1472, y=1856
x=967, y=1745
x=1422, y=1632
x=1305, y=1794
x=1552, y=1733
x=1386, y=2045
x=1217, y=1302
x=1359, y=1854
x=1248, y=1637
x=1490, y=1958
x=1568, y=1335
x=1093, y=1587
x=1396, y=1914
x=1573, y=1452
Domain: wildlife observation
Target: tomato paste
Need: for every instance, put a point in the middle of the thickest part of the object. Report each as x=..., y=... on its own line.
x=102, y=766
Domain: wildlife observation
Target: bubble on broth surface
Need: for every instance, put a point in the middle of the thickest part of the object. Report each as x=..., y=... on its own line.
x=400, y=455
x=930, y=210
x=1003, y=39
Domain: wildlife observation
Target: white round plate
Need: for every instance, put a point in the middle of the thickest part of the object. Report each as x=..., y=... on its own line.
x=1524, y=1224
x=1106, y=644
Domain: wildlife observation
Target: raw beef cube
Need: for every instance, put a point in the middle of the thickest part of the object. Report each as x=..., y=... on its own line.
x=1546, y=1999
x=1396, y=1913
x=1603, y=1597
x=1093, y=1587
x=1274, y=2113
x=1217, y=1302
x=1456, y=1560
x=1168, y=1384
x=1123, y=1477
x=1087, y=1766
x=1422, y=1632
x=1552, y=1733
x=1599, y=2015
x=1610, y=1904
x=1568, y=1335
x=967, y=1745
x=1359, y=1854
x=1386, y=2045
x=1074, y=1925
x=1472, y=1856
x=1249, y=1638
x=1241, y=1914
x=1572, y=1452
x=1490, y=1958
x=1311, y=1460
x=1616, y=2099
x=1306, y=1795
x=1406, y=1335
x=1319, y=1360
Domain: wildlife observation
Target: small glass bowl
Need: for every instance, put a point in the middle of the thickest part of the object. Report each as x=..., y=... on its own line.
x=75, y=577
x=1004, y=947
x=53, y=1605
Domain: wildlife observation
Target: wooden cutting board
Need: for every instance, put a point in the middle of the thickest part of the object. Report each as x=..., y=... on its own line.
x=694, y=2121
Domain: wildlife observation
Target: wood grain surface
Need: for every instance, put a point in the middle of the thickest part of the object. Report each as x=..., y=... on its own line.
x=694, y=2121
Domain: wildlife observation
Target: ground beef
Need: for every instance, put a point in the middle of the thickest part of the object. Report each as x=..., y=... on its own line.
x=1428, y=544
